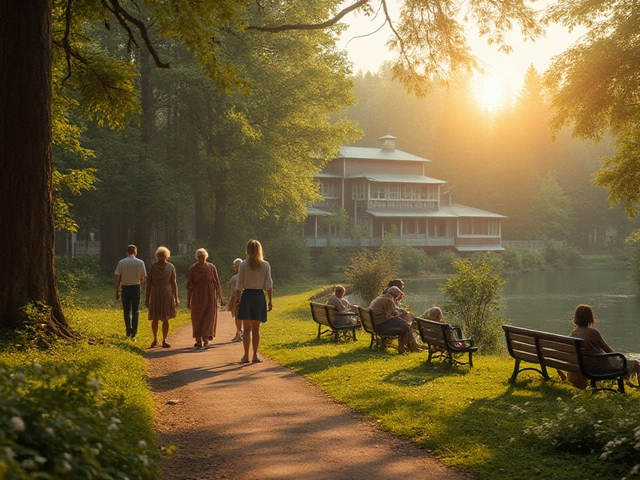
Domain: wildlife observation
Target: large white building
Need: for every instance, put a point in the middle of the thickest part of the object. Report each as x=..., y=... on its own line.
x=386, y=191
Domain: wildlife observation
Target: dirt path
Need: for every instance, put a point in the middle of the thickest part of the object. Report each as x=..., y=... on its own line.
x=262, y=421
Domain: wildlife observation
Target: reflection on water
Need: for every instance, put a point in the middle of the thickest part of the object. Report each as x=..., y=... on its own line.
x=546, y=301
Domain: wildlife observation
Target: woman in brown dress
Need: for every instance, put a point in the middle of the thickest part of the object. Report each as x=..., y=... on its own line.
x=203, y=285
x=162, y=295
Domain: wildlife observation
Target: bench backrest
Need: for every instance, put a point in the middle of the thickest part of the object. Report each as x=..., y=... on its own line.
x=432, y=332
x=320, y=313
x=366, y=318
x=550, y=349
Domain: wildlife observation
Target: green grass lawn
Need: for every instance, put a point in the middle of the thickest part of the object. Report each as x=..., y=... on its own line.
x=472, y=419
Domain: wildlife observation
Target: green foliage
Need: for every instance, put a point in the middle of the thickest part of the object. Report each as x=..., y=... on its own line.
x=473, y=299
x=494, y=259
x=607, y=426
x=532, y=260
x=512, y=259
x=561, y=256
x=328, y=262
x=633, y=253
x=445, y=260
x=58, y=424
x=73, y=274
x=413, y=261
x=368, y=274
x=552, y=213
x=288, y=255
x=34, y=332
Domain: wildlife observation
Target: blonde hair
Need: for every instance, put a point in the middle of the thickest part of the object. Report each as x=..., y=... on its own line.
x=164, y=250
x=237, y=261
x=254, y=254
x=201, y=252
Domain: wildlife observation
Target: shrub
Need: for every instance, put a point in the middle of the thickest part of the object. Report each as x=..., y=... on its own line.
x=288, y=255
x=57, y=424
x=328, y=262
x=606, y=425
x=369, y=273
x=444, y=261
x=513, y=259
x=495, y=260
x=532, y=260
x=570, y=256
x=413, y=261
x=472, y=298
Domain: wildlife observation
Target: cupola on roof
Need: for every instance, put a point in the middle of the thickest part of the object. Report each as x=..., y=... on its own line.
x=388, y=142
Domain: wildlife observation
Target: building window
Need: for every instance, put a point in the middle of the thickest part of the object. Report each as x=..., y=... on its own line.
x=359, y=191
x=329, y=189
x=407, y=192
x=429, y=192
x=378, y=192
x=409, y=226
x=479, y=226
x=437, y=227
x=394, y=192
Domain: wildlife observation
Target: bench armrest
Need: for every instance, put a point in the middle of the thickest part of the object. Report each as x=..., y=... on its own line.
x=603, y=357
x=466, y=341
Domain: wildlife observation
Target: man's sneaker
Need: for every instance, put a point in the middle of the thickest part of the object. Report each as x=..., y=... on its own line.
x=133, y=338
x=237, y=338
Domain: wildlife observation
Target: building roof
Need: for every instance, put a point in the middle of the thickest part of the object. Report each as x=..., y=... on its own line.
x=457, y=210
x=396, y=178
x=446, y=211
x=311, y=211
x=369, y=153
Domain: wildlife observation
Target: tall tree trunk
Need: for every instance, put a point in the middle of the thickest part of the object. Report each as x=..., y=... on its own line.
x=143, y=216
x=28, y=270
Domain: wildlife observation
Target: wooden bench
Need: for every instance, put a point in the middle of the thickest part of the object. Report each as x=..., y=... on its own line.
x=325, y=316
x=445, y=341
x=562, y=352
x=368, y=325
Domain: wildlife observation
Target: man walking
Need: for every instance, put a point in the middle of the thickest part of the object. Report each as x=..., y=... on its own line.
x=130, y=274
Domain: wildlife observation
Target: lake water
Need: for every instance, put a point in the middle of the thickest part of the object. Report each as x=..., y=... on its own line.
x=546, y=301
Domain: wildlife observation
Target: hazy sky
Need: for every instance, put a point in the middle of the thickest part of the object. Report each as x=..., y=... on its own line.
x=502, y=72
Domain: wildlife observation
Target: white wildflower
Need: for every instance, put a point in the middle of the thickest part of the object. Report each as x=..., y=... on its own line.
x=635, y=469
x=17, y=424
x=605, y=455
x=66, y=466
x=511, y=440
x=40, y=459
x=28, y=464
x=50, y=431
x=112, y=427
x=37, y=368
x=67, y=456
x=115, y=420
x=9, y=453
x=142, y=444
x=94, y=451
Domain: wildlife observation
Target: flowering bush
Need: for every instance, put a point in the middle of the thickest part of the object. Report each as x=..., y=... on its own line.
x=57, y=424
x=602, y=424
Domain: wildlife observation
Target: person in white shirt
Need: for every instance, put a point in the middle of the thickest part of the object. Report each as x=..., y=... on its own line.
x=346, y=313
x=254, y=278
x=130, y=274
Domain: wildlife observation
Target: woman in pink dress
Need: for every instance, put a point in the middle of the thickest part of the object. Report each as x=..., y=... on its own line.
x=203, y=290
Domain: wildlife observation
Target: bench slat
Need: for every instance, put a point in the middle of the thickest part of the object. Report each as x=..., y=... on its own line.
x=561, y=346
x=560, y=365
x=568, y=357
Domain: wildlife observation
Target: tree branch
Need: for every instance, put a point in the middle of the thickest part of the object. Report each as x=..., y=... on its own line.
x=310, y=26
x=123, y=17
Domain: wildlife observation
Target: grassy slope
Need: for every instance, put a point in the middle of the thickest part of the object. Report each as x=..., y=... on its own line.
x=471, y=419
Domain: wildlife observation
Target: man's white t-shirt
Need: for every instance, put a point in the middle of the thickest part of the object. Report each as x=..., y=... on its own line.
x=130, y=270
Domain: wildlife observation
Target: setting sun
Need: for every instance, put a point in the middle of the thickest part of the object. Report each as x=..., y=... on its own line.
x=489, y=92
